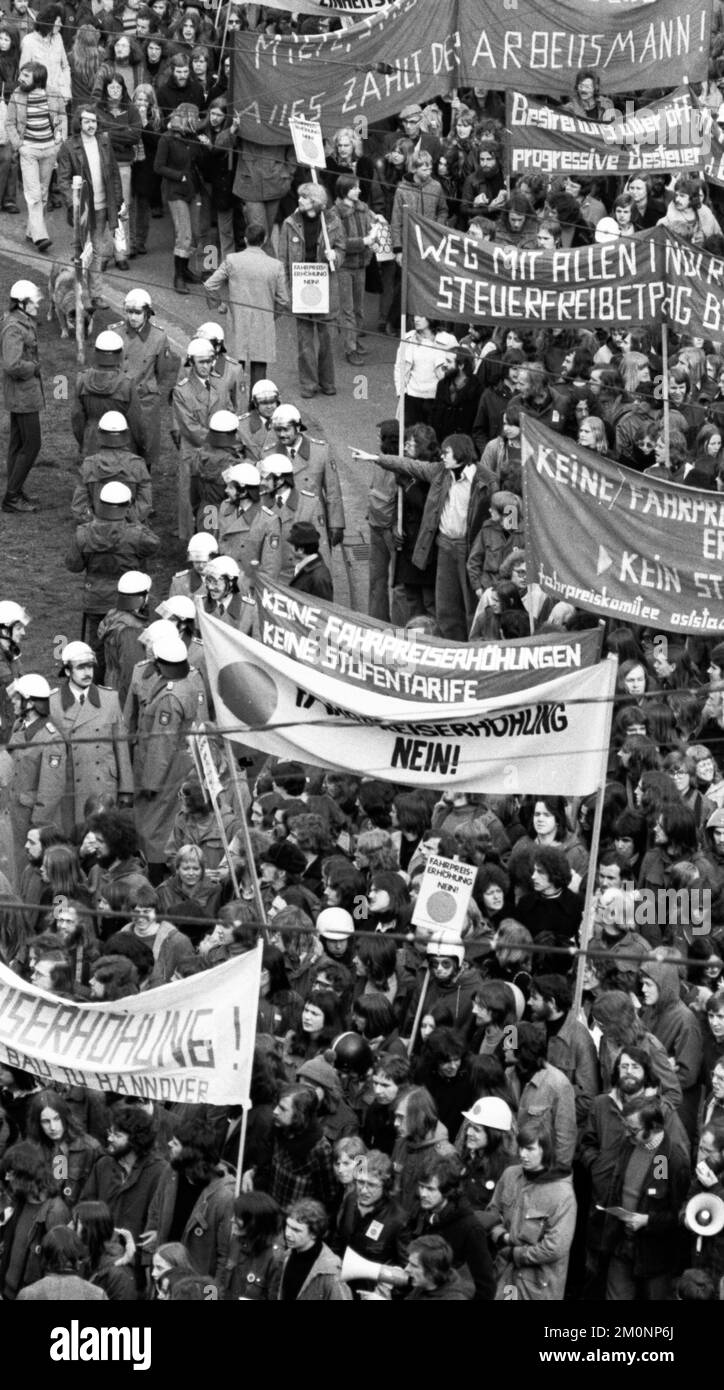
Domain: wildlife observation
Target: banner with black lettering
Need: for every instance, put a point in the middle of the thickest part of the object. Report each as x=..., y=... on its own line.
x=380, y=659
x=614, y=542
x=413, y=50
x=552, y=735
x=670, y=136
x=189, y=1041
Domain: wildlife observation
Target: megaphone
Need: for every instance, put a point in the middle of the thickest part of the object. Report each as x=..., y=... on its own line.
x=704, y=1215
x=355, y=1267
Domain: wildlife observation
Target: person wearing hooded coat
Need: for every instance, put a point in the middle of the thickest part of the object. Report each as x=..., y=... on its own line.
x=535, y=1210
x=337, y=1118
x=676, y=1028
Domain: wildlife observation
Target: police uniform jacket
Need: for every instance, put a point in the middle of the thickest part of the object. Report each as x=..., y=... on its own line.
x=97, y=390
x=98, y=758
x=162, y=760
x=147, y=359
x=316, y=470
x=105, y=550
x=112, y=466
x=252, y=536
x=256, y=435
x=194, y=402
x=39, y=773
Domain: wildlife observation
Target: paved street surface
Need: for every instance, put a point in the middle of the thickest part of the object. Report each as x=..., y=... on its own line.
x=365, y=395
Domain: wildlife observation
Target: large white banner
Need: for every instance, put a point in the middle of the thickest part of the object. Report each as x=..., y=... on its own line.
x=551, y=737
x=190, y=1041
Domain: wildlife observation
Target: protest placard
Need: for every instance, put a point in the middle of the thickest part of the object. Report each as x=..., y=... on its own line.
x=310, y=288
x=614, y=542
x=444, y=894
x=308, y=143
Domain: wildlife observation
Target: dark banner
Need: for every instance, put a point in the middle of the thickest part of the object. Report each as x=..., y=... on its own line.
x=670, y=136
x=413, y=50
x=642, y=280
x=618, y=544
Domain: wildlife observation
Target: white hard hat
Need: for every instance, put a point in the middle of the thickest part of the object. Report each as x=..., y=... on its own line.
x=335, y=923
x=30, y=687
x=213, y=331
x=447, y=944
x=447, y=341
x=138, y=299
x=156, y=630
x=244, y=474
x=224, y=421
x=178, y=606
x=265, y=387
x=115, y=494
x=11, y=612
x=223, y=567
x=134, y=582
x=169, y=646
x=77, y=651
x=25, y=289
x=108, y=341
x=286, y=415
x=276, y=465
x=491, y=1111
x=200, y=347
x=202, y=546
x=113, y=422
x=607, y=230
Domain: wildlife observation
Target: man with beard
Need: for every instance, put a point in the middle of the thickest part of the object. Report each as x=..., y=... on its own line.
x=301, y=1163
x=34, y=1210
x=109, y=854
x=126, y=1178
x=194, y=1202
x=605, y=1131
x=305, y=237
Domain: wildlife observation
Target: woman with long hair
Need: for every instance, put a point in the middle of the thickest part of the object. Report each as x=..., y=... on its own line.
x=546, y=823
x=217, y=171
x=169, y=1257
x=486, y=1144
x=389, y=172
x=420, y=1135
x=321, y=1022
x=176, y=161
x=119, y=118
x=85, y=59
x=68, y=1149
x=145, y=182
x=202, y=67
x=110, y=1253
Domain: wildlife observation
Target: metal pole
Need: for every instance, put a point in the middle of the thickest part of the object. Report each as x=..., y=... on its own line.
x=242, y=1143
x=234, y=771
x=403, y=381
x=665, y=386
x=78, y=266
x=586, y=924
x=418, y=1011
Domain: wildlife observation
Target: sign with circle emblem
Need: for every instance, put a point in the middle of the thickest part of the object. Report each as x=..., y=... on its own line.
x=308, y=143
x=310, y=288
x=444, y=895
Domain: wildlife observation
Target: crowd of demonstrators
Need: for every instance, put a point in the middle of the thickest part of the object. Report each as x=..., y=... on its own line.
x=436, y=1108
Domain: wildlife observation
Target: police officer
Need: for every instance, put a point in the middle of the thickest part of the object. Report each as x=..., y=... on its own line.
x=184, y=614
x=23, y=391
x=201, y=548
x=113, y=461
x=104, y=548
x=196, y=397
x=228, y=595
x=217, y=453
x=288, y=502
x=149, y=362
x=39, y=761
x=106, y=386
x=314, y=469
x=144, y=672
x=225, y=367
x=162, y=760
x=249, y=530
x=255, y=427
x=120, y=629
x=88, y=717
x=14, y=622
